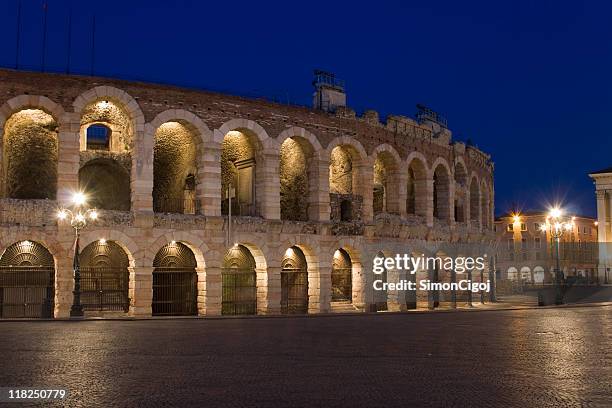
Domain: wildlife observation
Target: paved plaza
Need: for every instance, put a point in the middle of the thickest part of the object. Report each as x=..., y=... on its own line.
x=556, y=357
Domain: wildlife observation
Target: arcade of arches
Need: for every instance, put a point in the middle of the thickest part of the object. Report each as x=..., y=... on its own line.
x=314, y=196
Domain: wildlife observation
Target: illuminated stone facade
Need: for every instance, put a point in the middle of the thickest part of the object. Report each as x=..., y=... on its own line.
x=159, y=162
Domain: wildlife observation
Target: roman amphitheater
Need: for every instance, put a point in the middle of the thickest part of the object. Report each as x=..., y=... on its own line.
x=314, y=195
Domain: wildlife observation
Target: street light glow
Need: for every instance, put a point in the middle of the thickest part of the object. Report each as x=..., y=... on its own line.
x=93, y=215
x=61, y=214
x=79, y=199
x=555, y=212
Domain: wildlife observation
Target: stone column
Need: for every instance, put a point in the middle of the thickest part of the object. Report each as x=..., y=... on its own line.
x=141, y=291
x=142, y=170
x=396, y=299
x=68, y=162
x=402, y=197
x=267, y=191
x=318, y=186
x=268, y=290
x=209, y=181
x=325, y=284
x=64, y=285
x=363, y=178
x=210, y=287
x=429, y=208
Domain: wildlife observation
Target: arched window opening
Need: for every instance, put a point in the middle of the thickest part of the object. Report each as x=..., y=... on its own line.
x=107, y=183
x=98, y=137
x=238, y=171
x=416, y=189
x=346, y=210
x=295, y=153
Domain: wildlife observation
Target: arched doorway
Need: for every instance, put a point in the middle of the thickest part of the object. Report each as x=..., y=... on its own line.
x=239, y=170
x=175, y=281
x=538, y=275
x=107, y=182
x=239, y=279
x=294, y=282
x=381, y=296
x=342, y=281
x=27, y=280
x=104, y=277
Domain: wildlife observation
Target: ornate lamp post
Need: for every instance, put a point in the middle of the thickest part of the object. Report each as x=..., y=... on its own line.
x=557, y=224
x=78, y=216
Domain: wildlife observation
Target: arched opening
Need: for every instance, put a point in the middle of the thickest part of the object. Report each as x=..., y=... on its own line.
x=460, y=192
x=381, y=296
x=416, y=198
x=107, y=183
x=344, y=184
x=295, y=154
x=106, y=127
x=104, y=277
x=441, y=193
x=238, y=170
x=27, y=281
x=294, y=282
x=30, y=155
x=474, y=200
x=174, y=169
x=526, y=274
x=512, y=273
x=385, y=187
x=98, y=137
x=538, y=275
x=341, y=276
x=175, y=281
x=239, y=277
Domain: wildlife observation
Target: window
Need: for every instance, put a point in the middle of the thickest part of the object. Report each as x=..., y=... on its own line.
x=523, y=227
x=510, y=244
x=524, y=244
x=510, y=227
x=537, y=226
x=98, y=137
x=537, y=243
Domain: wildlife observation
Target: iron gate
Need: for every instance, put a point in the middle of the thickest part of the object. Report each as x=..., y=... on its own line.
x=341, y=276
x=294, y=291
x=104, y=288
x=239, y=292
x=26, y=291
x=175, y=291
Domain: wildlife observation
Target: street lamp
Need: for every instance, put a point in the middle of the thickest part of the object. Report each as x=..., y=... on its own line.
x=557, y=223
x=78, y=216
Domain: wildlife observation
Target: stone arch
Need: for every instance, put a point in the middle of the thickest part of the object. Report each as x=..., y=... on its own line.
x=249, y=160
x=106, y=182
x=20, y=103
x=512, y=273
x=474, y=192
x=294, y=281
x=526, y=274
x=386, y=186
x=193, y=242
x=357, y=279
x=416, y=188
x=349, y=180
x=538, y=274
x=132, y=143
x=298, y=171
x=442, y=192
x=127, y=244
x=461, y=182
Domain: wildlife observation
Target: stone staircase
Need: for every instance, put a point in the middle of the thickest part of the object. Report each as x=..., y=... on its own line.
x=344, y=306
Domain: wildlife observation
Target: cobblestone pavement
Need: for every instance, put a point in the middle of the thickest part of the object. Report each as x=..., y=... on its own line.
x=524, y=358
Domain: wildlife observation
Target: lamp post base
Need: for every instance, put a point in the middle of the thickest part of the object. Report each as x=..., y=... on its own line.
x=76, y=311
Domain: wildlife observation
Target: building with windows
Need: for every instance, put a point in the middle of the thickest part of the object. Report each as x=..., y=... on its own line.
x=603, y=191
x=314, y=195
x=526, y=252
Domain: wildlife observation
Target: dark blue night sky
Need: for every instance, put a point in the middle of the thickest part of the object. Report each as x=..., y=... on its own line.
x=528, y=81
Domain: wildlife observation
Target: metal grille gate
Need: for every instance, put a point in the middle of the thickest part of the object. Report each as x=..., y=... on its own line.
x=104, y=277
x=104, y=288
x=341, y=276
x=26, y=291
x=175, y=281
x=174, y=292
x=27, y=280
x=294, y=282
x=239, y=282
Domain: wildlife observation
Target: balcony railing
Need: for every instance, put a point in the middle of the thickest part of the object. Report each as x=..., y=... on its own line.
x=177, y=205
